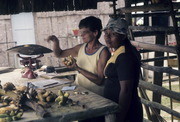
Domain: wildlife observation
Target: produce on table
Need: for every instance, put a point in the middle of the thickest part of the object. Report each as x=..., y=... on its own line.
x=62, y=98
x=68, y=61
x=13, y=98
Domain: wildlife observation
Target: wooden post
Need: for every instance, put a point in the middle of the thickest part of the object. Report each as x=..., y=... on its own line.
x=146, y=55
x=128, y=15
x=160, y=39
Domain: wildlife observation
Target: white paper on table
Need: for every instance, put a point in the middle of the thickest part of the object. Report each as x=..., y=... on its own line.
x=68, y=88
x=47, y=83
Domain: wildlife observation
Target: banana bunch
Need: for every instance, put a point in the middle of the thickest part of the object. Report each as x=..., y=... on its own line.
x=5, y=100
x=62, y=98
x=68, y=61
x=45, y=97
x=10, y=113
x=9, y=86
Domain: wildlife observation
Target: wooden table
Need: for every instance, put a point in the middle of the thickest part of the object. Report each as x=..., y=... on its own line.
x=90, y=105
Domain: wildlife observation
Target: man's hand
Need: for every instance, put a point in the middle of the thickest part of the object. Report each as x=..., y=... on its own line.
x=70, y=62
x=52, y=38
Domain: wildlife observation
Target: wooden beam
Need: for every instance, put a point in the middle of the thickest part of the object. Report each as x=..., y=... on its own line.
x=150, y=14
x=151, y=28
x=161, y=69
x=155, y=47
x=158, y=58
x=152, y=33
x=145, y=51
x=159, y=90
x=160, y=107
x=152, y=7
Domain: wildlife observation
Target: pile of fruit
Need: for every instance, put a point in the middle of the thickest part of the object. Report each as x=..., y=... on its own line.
x=12, y=98
x=68, y=61
x=62, y=98
x=44, y=97
x=9, y=109
x=10, y=113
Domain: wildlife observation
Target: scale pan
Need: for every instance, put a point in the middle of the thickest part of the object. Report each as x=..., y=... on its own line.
x=30, y=49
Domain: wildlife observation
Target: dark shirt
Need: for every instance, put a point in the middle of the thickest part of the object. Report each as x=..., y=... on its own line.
x=126, y=67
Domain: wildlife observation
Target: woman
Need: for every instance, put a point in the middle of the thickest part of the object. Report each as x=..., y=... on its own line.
x=122, y=72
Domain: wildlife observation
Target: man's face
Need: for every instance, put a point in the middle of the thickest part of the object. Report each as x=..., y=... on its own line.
x=87, y=35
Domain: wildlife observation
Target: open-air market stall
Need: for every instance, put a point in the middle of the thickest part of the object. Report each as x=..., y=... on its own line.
x=154, y=30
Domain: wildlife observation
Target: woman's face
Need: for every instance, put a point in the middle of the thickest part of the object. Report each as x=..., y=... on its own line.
x=87, y=35
x=113, y=39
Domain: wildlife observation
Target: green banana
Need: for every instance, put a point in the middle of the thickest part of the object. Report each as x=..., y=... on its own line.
x=60, y=93
x=3, y=115
x=62, y=98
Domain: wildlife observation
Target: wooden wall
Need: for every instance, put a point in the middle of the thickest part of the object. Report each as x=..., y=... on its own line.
x=6, y=42
x=60, y=24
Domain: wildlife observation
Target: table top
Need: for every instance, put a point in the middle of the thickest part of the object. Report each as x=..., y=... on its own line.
x=90, y=105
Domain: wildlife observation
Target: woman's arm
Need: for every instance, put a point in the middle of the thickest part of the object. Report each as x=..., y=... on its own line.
x=125, y=96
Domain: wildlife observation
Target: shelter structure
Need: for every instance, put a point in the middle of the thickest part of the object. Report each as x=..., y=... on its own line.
x=157, y=19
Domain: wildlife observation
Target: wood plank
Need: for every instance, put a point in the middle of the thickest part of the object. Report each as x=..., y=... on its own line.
x=161, y=107
x=58, y=75
x=151, y=28
x=152, y=33
x=161, y=69
x=160, y=58
x=154, y=47
x=152, y=7
x=159, y=90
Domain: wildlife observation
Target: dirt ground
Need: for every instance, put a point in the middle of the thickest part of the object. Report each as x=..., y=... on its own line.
x=166, y=100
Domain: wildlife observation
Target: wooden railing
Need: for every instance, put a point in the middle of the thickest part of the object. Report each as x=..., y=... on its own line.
x=155, y=88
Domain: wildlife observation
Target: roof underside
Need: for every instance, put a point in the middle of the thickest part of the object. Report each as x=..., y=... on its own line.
x=17, y=6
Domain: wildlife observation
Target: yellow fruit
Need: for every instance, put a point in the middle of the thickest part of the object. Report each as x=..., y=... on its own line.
x=14, y=118
x=60, y=93
x=46, y=94
x=5, y=119
x=12, y=113
x=19, y=115
x=4, y=110
x=69, y=60
x=59, y=98
x=21, y=88
x=49, y=98
x=66, y=94
x=61, y=103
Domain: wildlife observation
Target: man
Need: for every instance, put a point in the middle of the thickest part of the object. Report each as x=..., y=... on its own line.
x=91, y=55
